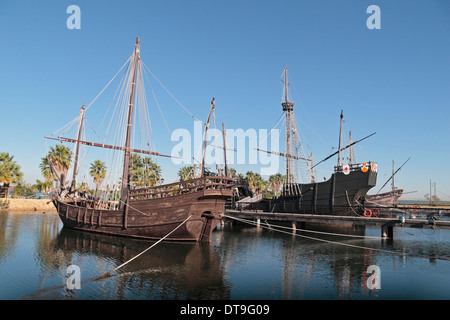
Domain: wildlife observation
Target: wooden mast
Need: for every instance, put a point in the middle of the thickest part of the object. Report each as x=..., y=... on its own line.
x=351, y=152
x=340, y=140
x=288, y=107
x=75, y=165
x=393, y=173
x=126, y=161
x=348, y=146
x=213, y=104
x=224, y=149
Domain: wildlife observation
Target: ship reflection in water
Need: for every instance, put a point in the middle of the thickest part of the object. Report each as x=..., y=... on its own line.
x=240, y=263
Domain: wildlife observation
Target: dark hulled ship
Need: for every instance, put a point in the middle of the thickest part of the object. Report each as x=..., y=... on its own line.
x=342, y=194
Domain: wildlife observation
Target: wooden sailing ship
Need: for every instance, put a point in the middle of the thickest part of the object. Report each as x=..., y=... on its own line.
x=181, y=211
x=342, y=194
x=384, y=200
x=387, y=200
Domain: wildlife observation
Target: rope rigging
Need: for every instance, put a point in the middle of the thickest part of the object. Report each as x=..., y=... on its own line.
x=113, y=130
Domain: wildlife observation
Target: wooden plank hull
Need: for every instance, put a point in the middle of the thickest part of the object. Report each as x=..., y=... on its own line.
x=340, y=195
x=386, y=201
x=152, y=218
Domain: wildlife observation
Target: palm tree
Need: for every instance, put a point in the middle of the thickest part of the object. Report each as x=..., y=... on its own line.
x=152, y=172
x=98, y=172
x=59, y=158
x=43, y=186
x=250, y=177
x=46, y=170
x=23, y=190
x=186, y=173
x=9, y=170
x=276, y=181
x=83, y=187
x=259, y=183
x=232, y=173
x=134, y=168
x=143, y=171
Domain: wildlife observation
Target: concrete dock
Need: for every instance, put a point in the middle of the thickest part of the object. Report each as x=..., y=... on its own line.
x=386, y=224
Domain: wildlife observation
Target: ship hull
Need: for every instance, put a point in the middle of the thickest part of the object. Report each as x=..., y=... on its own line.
x=152, y=218
x=384, y=200
x=342, y=194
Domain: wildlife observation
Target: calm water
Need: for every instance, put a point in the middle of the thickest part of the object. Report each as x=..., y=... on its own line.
x=240, y=263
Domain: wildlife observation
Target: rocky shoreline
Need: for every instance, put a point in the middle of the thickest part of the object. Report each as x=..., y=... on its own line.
x=27, y=205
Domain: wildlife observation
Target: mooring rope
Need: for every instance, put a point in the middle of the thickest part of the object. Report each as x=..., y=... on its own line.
x=338, y=243
x=306, y=230
x=126, y=262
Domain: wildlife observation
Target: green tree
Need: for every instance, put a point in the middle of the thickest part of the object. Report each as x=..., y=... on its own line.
x=276, y=181
x=232, y=173
x=143, y=171
x=260, y=184
x=433, y=199
x=250, y=177
x=43, y=186
x=98, y=172
x=59, y=158
x=46, y=170
x=186, y=173
x=84, y=187
x=9, y=170
x=151, y=172
x=23, y=190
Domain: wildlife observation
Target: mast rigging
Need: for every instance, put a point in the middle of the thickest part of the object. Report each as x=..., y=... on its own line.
x=351, y=144
x=126, y=161
x=288, y=107
x=75, y=165
x=393, y=174
x=107, y=146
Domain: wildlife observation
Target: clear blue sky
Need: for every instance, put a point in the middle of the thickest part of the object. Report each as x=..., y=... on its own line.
x=394, y=81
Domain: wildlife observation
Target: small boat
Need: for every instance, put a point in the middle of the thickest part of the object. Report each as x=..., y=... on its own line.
x=386, y=200
x=181, y=211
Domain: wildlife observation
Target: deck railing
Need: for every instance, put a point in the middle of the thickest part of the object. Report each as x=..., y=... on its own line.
x=182, y=187
x=365, y=166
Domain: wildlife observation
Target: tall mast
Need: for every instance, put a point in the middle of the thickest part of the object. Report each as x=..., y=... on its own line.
x=288, y=107
x=126, y=162
x=225, y=149
x=213, y=105
x=351, y=152
x=393, y=173
x=75, y=165
x=313, y=177
x=340, y=140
